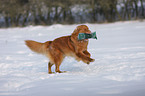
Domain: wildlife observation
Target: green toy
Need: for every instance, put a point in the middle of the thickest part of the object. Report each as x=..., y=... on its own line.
x=82, y=36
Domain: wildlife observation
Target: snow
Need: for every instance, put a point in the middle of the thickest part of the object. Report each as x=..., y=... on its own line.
x=118, y=70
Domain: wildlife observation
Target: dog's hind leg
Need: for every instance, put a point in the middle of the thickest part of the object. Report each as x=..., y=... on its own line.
x=58, y=63
x=56, y=56
x=49, y=67
x=58, y=60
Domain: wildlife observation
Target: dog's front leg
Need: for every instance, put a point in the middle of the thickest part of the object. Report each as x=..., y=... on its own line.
x=84, y=58
x=87, y=53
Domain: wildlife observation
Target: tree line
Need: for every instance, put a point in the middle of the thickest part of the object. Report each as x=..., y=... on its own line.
x=47, y=12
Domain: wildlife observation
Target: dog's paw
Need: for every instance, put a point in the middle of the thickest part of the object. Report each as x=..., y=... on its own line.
x=61, y=71
x=88, y=63
x=91, y=60
x=51, y=72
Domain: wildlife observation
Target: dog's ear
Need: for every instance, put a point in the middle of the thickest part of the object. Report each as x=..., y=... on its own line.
x=76, y=31
x=74, y=35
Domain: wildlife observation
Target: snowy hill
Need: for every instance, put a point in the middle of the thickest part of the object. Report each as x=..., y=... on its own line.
x=118, y=70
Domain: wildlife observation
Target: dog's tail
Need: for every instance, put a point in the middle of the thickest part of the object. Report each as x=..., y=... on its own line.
x=38, y=47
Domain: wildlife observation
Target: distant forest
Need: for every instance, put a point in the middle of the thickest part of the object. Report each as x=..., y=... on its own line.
x=46, y=12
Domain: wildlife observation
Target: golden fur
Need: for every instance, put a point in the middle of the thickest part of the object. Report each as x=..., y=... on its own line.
x=57, y=49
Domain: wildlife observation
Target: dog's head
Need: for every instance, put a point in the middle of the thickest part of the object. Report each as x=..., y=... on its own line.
x=80, y=29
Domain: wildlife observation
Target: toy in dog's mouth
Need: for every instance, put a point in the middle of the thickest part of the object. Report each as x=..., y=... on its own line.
x=87, y=36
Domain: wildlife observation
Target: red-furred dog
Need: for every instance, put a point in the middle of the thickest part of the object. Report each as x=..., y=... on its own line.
x=57, y=49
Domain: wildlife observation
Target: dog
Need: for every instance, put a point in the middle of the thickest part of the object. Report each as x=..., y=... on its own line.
x=59, y=48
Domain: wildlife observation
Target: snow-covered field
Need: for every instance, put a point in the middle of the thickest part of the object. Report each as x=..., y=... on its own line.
x=118, y=70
